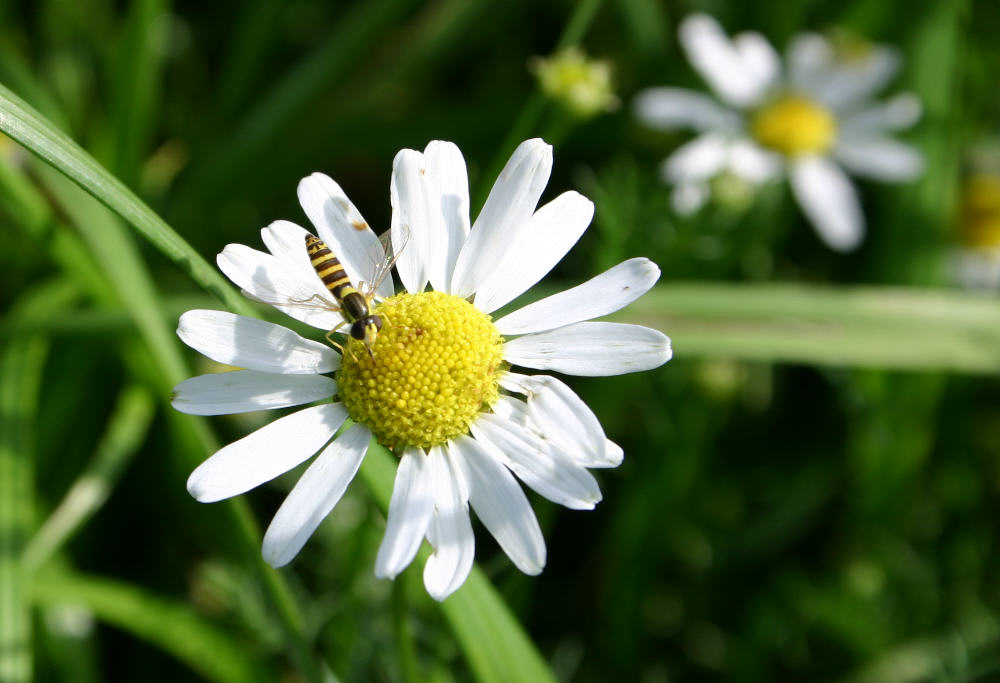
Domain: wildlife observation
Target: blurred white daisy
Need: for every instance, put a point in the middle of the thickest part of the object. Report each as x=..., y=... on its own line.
x=813, y=120
x=977, y=261
x=439, y=390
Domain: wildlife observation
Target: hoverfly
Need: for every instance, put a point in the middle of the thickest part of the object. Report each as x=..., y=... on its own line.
x=354, y=304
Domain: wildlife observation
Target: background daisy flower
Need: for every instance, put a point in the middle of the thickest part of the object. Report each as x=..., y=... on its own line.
x=439, y=390
x=812, y=119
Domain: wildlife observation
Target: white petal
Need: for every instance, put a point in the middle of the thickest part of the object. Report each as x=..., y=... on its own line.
x=287, y=241
x=697, y=160
x=853, y=80
x=880, y=159
x=606, y=293
x=263, y=455
x=719, y=62
x=241, y=391
x=562, y=417
x=416, y=210
x=266, y=278
x=315, y=494
x=409, y=514
x=450, y=530
x=341, y=226
x=501, y=505
x=810, y=57
x=511, y=203
x=753, y=164
x=689, y=197
x=549, y=234
x=613, y=454
x=897, y=113
x=828, y=198
x=591, y=349
x=759, y=58
x=446, y=166
x=546, y=470
x=669, y=108
x=250, y=343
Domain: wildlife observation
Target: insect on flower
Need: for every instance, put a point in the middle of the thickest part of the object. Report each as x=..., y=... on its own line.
x=354, y=304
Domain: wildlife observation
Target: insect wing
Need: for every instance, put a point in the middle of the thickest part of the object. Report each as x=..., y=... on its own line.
x=381, y=258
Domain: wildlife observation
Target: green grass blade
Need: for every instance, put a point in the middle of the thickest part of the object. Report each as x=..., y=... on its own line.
x=169, y=625
x=126, y=432
x=22, y=123
x=21, y=365
x=860, y=326
x=493, y=642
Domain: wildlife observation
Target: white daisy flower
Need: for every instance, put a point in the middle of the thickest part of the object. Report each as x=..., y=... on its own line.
x=812, y=121
x=976, y=264
x=439, y=390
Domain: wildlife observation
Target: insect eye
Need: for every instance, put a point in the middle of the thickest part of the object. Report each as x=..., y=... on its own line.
x=358, y=329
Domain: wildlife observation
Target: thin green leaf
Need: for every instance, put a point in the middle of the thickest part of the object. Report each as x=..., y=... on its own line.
x=21, y=122
x=21, y=365
x=867, y=327
x=169, y=625
x=492, y=640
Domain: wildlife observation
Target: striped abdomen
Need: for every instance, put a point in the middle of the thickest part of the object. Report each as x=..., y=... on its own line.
x=353, y=306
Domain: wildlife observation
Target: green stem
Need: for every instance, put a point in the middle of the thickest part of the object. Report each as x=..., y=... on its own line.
x=531, y=112
x=405, y=649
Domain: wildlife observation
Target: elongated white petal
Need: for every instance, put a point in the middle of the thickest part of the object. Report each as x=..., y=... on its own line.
x=410, y=513
x=606, y=293
x=759, y=59
x=670, y=108
x=511, y=203
x=553, y=230
x=268, y=279
x=501, y=505
x=254, y=344
x=899, y=112
x=287, y=241
x=613, y=454
x=880, y=159
x=341, y=226
x=719, y=62
x=849, y=82
x=446, y=166
x=315, y=494
x=263, y=455
x=563, y=417
x=547, y=471
x=241, y=391
x=828, y=198
x=591, y=349
x=450, y=529
x=810, y=56
x=416, y=208
x=697, y=160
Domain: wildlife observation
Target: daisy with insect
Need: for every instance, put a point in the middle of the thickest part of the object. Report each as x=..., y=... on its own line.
x=434, y=382
x=812, y=120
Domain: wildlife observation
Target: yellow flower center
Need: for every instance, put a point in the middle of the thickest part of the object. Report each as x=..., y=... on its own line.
x=981, y=210
x=794, y=126
x=437, y=359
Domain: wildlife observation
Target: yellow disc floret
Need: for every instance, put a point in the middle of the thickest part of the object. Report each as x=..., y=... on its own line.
x=794, y=126
x=435, y=367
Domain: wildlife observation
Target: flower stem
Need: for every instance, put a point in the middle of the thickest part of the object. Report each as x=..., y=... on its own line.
x=532, y=110
x=404, y=633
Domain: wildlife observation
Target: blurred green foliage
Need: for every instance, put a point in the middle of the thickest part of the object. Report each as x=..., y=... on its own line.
x=770, y=522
